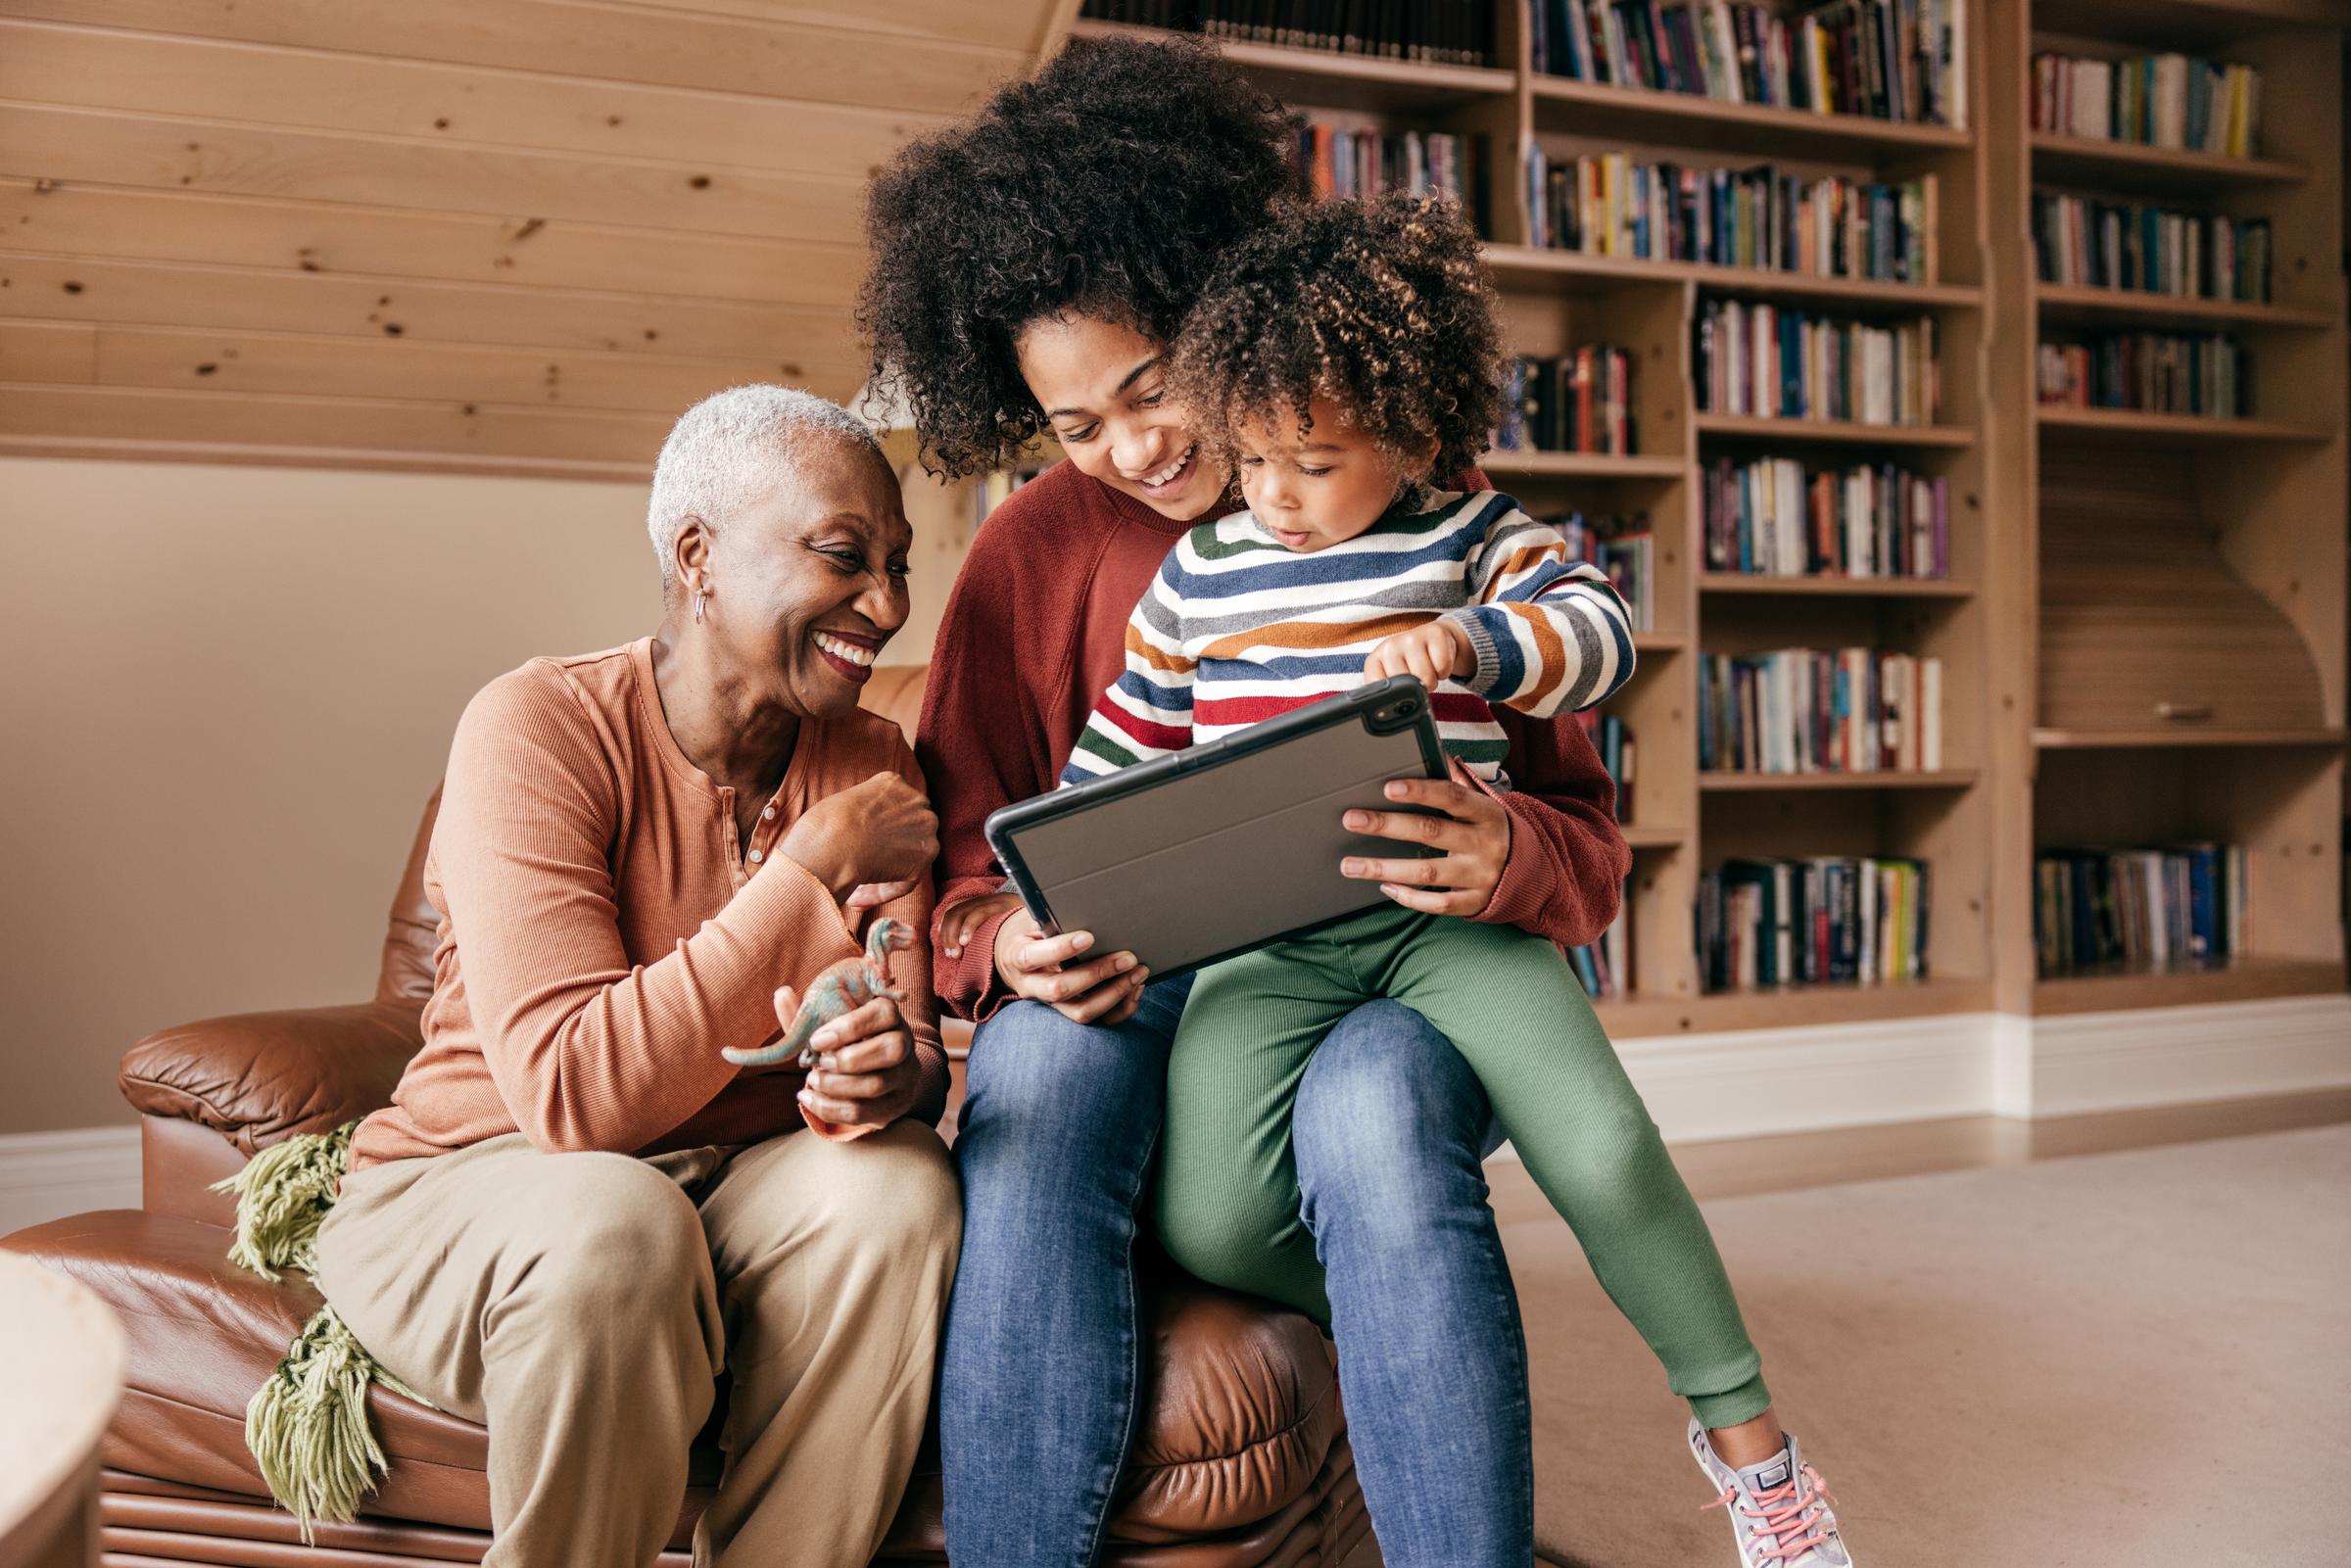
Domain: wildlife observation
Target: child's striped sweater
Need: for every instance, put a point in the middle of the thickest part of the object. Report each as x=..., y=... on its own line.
x=1236, y=628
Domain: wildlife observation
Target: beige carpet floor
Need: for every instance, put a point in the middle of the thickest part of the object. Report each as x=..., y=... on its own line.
x=2127, y=1360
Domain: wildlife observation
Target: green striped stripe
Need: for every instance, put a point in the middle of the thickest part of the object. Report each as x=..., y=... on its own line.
x=1476, y=751
x=1094, y=742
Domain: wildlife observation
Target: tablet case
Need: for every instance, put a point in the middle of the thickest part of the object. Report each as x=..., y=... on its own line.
x=1229, y=845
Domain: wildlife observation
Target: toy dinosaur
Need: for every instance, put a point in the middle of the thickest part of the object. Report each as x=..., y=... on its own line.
x=842, y=988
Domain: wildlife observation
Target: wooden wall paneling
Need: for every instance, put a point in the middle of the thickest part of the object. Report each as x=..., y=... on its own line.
x=94, y=419
x=250, y=298
x=192, y=359
x=165, y=153
x=616, y=42
x=66, y=218
x=264, y=85
x=48, y=350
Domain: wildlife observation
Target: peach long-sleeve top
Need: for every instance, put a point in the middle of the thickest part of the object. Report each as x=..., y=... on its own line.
x=604, y=931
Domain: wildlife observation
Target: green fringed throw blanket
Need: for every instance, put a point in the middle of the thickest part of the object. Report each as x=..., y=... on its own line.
x=306, y=1427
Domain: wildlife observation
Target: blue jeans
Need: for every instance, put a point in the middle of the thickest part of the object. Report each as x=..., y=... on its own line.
x=1037, y=1386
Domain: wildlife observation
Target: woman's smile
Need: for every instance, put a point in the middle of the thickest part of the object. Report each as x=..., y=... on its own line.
x=1170, y=480
x=848, y=654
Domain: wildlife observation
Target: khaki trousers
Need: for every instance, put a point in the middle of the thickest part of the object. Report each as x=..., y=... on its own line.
x=580, y=1305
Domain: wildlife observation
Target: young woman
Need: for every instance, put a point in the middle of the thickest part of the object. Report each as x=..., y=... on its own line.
x=1031, y=266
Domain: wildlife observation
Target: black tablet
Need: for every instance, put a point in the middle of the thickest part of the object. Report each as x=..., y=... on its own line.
x=1229, y=845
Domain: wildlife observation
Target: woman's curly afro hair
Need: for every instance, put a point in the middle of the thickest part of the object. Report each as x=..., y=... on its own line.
x=1382, y=306
x=1111, y=182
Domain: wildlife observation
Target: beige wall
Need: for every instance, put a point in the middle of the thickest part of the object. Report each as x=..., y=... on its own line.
x=226, y=692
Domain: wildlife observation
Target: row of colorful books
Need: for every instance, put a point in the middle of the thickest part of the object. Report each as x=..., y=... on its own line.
x=1819, y=710
x=1779, y=363
x=1338, y=160
x=2169, y=100
x=1609, y=204
x=1903, y=60
x=1775, y=516
x=2210, y=374
x=1624, y=548
x=2112, y=245
x=1606, y=966
x=1580, y=402
x=1446, y=32
x=1819, y=919
x=2158, y=906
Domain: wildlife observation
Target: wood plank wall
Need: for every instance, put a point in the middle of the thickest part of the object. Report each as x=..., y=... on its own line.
x=507, y=236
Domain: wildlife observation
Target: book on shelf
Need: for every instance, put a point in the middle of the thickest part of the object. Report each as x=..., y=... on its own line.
x=2158, y=907
x=1441, y=32
x=1624, y=548
x=1897, y=60
x=1613, y=740
x=1347, y=162
x=2084, y=243
x=1606, y=966
x=1611, y=204
x=2166, y=100
x=1580, y=402
x=1819, y=710
x=1773, y=516
x=1811, y=921
x=2205, y=374
x=1774, y=362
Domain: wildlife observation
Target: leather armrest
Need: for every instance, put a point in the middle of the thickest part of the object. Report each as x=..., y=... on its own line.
x=259, y=1077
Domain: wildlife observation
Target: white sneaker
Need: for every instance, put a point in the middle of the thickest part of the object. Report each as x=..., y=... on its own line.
x=1779, y=1509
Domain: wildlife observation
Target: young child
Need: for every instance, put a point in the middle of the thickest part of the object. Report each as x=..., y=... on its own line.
x=1342, y=359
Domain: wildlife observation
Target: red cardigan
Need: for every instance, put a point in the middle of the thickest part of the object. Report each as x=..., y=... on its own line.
x=1036, y=630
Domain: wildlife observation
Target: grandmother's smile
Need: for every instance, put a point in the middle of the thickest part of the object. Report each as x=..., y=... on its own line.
x=849, y=656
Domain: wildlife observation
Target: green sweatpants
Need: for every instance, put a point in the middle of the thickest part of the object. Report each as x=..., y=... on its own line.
x=1229, y=1198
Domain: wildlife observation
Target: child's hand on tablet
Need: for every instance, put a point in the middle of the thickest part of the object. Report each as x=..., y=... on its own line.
x=1434, y=651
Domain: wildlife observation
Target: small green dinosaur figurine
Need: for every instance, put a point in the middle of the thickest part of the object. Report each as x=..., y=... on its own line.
x=842, y=988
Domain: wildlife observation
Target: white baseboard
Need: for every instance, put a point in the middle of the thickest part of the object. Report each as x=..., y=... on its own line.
x=1751, y=1082
x=48, y=1175
x=2178, y=1055
x=1757, y=1082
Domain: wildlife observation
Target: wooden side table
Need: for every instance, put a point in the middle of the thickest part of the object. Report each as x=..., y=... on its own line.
x=61, y=1372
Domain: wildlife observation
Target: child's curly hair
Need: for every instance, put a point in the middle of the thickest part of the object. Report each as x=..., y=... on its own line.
x=1111, y=182
x=1382, y=306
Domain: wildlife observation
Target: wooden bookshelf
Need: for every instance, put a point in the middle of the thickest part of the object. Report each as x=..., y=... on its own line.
x=2043, y=572
x=2131, y=425
x=2086, y=161
x=2138, y=307
x=1580, y=465
x=1832, y=432
x=1721, y=781
x=1833, y=587
x=2321, y=736
x=2172, y=645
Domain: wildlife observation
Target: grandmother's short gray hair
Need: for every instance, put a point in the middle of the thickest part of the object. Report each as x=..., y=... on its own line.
x=726, y=450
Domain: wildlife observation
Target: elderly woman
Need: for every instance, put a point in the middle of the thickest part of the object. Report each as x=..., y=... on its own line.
x=577, y=1213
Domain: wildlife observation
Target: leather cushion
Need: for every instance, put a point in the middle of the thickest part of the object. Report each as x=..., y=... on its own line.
x=258, y=1077
x=1242, y=1408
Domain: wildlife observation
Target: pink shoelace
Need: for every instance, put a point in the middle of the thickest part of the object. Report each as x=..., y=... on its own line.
x=1789, y=1514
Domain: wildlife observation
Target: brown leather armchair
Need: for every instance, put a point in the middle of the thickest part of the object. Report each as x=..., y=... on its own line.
x=1242, y=1457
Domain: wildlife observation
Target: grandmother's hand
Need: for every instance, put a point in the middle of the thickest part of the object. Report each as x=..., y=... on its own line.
x=865, y=1073
x=1105, y=990
x=1473, y=836
x=880, y=831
